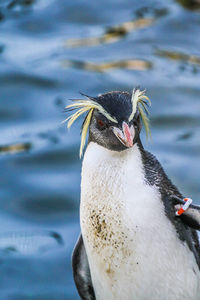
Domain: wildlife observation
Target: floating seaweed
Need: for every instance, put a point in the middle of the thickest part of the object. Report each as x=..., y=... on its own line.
x=13, y=148
x=130, y=64
x=112, y=34
x=179, y=56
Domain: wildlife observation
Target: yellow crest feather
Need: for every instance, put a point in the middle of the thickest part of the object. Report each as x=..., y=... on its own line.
x=138, y=100
x=84, y=131
x=83, y=106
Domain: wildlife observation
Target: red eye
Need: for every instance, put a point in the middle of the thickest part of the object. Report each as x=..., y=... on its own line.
x=101, y=123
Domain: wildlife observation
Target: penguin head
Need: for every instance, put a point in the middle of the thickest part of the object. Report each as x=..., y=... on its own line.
x=114, y=118
x=117, y=134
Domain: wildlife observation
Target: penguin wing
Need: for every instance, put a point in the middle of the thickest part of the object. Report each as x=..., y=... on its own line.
x=81, y=271
x=191, y=217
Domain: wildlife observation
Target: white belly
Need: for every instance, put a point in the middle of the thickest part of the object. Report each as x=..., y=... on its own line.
x=133, y=250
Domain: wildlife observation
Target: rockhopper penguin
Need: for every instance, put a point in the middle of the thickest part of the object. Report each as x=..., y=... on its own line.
x=132, y=245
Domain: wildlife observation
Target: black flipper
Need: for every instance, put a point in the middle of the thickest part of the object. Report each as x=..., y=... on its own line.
x=81, y=271
x=191, y=217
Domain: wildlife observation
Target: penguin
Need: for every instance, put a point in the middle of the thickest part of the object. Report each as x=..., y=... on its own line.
x=133, y=245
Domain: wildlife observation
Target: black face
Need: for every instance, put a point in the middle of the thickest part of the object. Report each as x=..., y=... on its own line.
x=119, y=106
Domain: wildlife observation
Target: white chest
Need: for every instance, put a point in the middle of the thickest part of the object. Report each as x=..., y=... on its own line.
x=132, y=247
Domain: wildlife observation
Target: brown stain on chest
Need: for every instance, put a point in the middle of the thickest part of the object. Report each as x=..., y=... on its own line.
x=107, y=233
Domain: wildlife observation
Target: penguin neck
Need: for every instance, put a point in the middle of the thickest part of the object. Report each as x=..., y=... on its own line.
x=111, y=172
x=98, y=154
x=135, y=150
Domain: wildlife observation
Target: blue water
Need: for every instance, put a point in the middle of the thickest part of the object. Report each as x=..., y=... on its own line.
x=49, y=51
